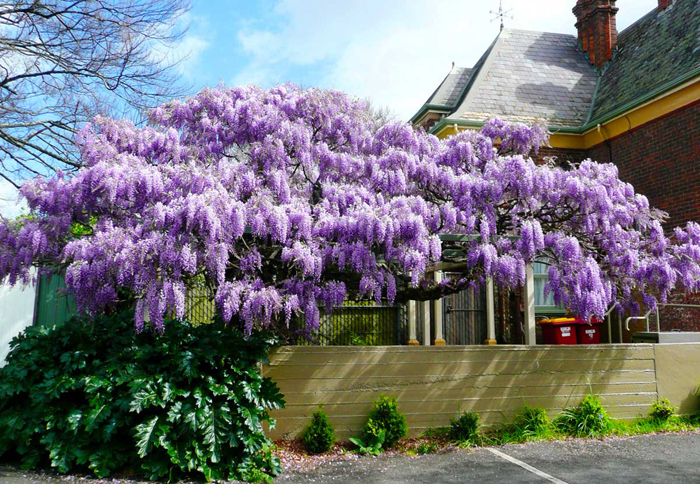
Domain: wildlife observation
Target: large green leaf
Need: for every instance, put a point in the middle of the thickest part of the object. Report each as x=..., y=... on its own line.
x=146, y=436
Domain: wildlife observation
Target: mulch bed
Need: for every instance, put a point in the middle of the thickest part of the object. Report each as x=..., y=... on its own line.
x=294, y=458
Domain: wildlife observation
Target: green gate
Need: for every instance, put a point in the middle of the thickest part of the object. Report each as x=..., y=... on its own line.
x=53, y=304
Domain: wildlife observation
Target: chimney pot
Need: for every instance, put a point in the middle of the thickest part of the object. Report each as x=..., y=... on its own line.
x=663, y=4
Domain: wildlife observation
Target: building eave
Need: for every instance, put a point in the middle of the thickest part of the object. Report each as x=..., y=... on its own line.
x=677, y=94
x=428, y=108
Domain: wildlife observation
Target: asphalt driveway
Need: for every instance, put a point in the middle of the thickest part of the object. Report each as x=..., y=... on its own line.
x=664, y=458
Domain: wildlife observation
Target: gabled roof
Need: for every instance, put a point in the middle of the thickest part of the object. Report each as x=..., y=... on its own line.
x=450, y=90
x=528, y=75
x=531, y=75
x=659, y=48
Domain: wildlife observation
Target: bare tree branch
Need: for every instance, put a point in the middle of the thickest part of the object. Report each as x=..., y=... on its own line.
x=62, y=62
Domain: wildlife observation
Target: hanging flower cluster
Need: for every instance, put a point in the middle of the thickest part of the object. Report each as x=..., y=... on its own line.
x=286, y=200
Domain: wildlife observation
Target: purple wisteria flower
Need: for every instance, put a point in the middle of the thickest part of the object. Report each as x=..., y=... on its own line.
x=285, y=201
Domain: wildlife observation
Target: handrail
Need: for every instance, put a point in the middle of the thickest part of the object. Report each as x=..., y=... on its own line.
x=645, y=318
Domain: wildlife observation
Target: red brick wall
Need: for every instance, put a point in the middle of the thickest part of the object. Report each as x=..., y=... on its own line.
x=680, y=318
x=662, y=160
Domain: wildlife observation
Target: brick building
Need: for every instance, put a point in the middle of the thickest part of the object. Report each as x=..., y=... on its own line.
x=631, y=98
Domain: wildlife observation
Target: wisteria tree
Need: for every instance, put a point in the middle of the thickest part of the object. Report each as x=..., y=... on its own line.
x=286, y=201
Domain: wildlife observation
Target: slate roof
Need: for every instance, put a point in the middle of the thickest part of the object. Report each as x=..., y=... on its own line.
x=658, y=48
x=450, y=90
x=532, y=75
x=528, y=75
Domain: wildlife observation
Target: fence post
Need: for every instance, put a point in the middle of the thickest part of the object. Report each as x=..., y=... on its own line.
x=490, y=314
x=437, y=310
x=412, y=338
x=529, y=305
x=426, y=322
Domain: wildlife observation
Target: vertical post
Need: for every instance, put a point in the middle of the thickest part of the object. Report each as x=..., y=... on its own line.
x=412, y=337
x=37, y=288
x=619, y=325
x=529, y=305
x=490, y=314
x=437, y=310
x=426, y=322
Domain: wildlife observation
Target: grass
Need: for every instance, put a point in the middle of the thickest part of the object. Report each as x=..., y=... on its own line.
x=530, y=427
x=519, y=434
x=653, y=426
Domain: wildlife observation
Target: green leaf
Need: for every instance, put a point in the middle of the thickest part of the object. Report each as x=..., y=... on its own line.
x=74, y=418
x=146, y=436
x=146, y=396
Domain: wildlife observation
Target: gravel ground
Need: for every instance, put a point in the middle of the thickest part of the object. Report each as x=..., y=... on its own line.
x=662, y=458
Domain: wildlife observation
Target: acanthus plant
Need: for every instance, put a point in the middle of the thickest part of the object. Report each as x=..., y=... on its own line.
x=285, y=201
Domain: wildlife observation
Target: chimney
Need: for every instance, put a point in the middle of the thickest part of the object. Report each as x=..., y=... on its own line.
x=663, y=4
x=597, y=31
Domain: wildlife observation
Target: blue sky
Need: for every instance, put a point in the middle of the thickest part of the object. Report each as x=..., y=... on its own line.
x=394, y=52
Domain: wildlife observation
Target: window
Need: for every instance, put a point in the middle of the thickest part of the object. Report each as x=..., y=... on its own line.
x=544, y=305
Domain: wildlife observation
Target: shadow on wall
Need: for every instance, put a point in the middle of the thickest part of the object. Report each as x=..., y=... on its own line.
x=434, y=384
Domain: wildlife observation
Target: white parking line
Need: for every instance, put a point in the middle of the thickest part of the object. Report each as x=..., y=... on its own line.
x=525, y=466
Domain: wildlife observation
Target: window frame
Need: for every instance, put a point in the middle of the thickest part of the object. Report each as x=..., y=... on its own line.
x=555, y=310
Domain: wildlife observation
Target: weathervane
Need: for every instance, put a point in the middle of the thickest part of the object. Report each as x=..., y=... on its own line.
x=501, y=14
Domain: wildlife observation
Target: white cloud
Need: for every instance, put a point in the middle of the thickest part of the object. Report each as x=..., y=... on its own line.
x=10, y=203
x=188, y=51
x=191, y=49
x=394, y=52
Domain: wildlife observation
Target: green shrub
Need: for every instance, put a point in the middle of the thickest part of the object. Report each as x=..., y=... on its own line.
x=662, y=410
x=319, y=436
x=465, y=427
x=95, y=395
x=371, y=444
x=532, y=420
x=385, y=417
x=588, y=419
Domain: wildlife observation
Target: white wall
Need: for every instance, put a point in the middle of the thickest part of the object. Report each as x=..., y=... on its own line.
x=16, y=303
x=16, y=313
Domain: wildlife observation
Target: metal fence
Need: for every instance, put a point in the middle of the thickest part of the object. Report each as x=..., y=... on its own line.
x=356, y=324
x=464, y=316
x=199, y=306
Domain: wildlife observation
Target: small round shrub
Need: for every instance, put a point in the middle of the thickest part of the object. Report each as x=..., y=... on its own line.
x=319, y=436
x=662, y=410
x=464, y=427
x=532, y=420
x=588, y=419
x=385, y=416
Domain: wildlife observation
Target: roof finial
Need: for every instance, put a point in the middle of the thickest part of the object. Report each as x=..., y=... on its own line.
x=501, y=14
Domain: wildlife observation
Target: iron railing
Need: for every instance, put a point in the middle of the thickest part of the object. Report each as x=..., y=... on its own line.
x=355, y=325
x=464, y=317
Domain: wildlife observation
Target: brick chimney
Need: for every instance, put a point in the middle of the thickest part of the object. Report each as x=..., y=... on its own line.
x=663, y=4
x=597, y=31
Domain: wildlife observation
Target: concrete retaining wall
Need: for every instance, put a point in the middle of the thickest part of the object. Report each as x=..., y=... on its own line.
x=678, y=374
x=433, y=384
